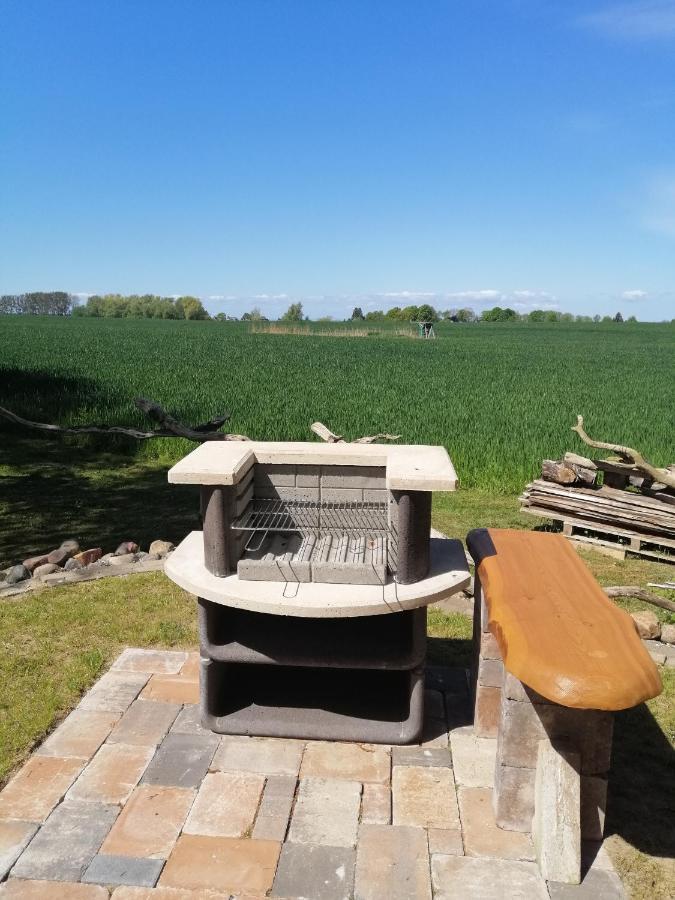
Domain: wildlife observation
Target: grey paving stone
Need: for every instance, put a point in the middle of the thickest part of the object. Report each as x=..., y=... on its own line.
x=14, y=838
x=67, y=842
x=123, y=870
x=115, y=691
x=189, y=721
x=438, y=757
x=392, y=861
x=598, y=884
x=316, y=872
x=326, y=812
x=448, y=680
x=466, y=878
x=434, y=706
x=181, y=760
x=145, y=723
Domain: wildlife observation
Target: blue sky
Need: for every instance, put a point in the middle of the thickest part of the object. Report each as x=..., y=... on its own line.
x=518, y=152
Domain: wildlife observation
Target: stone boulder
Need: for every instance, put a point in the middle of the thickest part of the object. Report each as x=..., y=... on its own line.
x=59, y=557
x=161, y=548
x=46, y=569
x=648, y=626
x=16, y=574
x=122, y=560
x=87, y=557
x=34, y=561
x=71, y=545
x=668, y=634
x=73, y=565
x=126, y=547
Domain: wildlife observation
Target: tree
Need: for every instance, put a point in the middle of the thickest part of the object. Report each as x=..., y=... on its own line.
x=631, y=319
x=191, y=308
x=618, y=317
x=427, y=313
x=255, y=315
x=466, y=315
x=393, y=313
x=375, y=315
x=357, y=313
x=293, y=313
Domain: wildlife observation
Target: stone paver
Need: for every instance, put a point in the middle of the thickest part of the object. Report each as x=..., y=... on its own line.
x=436, y=757
x=355, y=762
x=169, y=893
x=314, y=871
x=392, y=861
x=434, y=705
x=450, y=681
x=226, y=805
x=446, y=840
x=376, y=804
x=182, y=760
x=67, y=842
x=221, y=864
x=190, y=668
x=114, y=692
x=473, y=758
x=188, y=721
x=80, y=734
x=153, y=662
x=326, y=812
x=424, y=797
x=112, y=774
x=36, y=788
x=14, y=836
x=123, y=870
x=482, y=837
x=150, y=822
x=275, y=809
x=434, y=733
x=598, y=884
x=267, y=756
x=172, y=689
x=16, y=889
x=456, y=877
x=145, y=723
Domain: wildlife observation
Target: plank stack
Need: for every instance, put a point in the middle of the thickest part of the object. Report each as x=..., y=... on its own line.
x=633, y=516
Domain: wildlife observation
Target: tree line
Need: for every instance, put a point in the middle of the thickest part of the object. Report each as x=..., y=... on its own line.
x=38, y=303
x=427, y=313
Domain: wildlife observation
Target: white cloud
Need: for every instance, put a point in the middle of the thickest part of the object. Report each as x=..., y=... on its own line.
x=643, y=20
x=634, y=296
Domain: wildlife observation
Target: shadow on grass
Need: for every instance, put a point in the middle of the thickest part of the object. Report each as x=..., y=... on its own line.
x=641, y=795
x=54, y=487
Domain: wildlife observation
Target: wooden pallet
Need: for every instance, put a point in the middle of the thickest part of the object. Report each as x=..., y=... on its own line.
x=612, y=541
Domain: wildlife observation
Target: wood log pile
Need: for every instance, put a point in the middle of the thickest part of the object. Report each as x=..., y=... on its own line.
x=624, y=498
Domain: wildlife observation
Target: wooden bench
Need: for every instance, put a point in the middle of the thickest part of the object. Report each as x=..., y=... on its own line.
x=553, y=659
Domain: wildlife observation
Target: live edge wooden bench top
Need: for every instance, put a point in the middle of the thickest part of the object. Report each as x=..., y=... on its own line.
x=558, y=632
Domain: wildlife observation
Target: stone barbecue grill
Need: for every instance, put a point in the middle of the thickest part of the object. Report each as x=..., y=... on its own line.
x=312, y=572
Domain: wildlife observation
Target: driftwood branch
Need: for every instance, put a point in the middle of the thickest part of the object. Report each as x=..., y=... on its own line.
x=640, y=594
x=331, y=438
x=629, y=456
x=169, y=427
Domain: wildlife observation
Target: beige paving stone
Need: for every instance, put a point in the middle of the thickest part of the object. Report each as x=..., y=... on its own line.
x=167, y=893
x=149, y=823
x=326, y=812
x=226, y=805
x=112, y=774
x=376, y=804
x=14, y=836
x=190, y=668
x=145, y=723
x=434, y=733
x=267, y=756
x=482, y=836
x=556, y=825
x=154, y=662
x=171, y=689
x=424, y=797
x=392, y=861
x=486, y=715
x=80, y=734
x=221, y=863
x=114, y=692
x=355, y=762
x=36, y=788
x=18, y=889
x=460, y=878
x=473, y=758
x=446, y=840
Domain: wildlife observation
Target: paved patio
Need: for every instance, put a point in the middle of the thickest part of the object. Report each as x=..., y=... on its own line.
x=130, y=797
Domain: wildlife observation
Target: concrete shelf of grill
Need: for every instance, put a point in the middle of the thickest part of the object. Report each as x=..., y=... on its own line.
x=395, y=642
x=313, y=704
x=448, y=573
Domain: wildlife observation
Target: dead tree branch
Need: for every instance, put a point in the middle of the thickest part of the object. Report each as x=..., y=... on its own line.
x=331, y=438
x=169, y=427
x=629, y=457
x=640, y=594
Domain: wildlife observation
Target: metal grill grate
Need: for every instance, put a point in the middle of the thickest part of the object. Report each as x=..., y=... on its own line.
x=309, y=516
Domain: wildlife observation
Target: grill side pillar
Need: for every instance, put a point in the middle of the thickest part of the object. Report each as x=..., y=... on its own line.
x=216, y=510
x=412, y=520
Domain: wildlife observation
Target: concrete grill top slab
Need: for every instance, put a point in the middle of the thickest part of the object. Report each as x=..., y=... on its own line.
x=448, y=574
x=408, y=467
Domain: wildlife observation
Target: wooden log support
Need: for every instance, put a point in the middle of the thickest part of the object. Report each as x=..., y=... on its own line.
x=413, y=524
x=216, y=502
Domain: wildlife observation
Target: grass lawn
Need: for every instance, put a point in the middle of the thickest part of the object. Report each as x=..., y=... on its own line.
x=56, y=643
